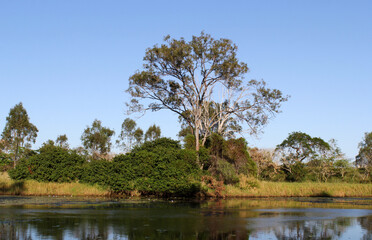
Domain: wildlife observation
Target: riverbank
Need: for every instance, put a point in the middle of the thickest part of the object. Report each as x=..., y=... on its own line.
x=302, y=189
x=263, y=189
x=35, y=188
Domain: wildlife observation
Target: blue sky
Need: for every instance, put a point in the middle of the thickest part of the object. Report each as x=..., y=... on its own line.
x=69, y=61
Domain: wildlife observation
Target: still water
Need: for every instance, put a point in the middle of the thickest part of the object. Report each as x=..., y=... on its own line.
x=274, y=218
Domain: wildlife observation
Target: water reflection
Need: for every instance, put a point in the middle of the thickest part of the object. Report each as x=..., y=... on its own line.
x=45, y=218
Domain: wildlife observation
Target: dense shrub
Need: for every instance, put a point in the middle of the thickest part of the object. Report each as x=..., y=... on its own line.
x=205, y=159
x=160, y=142
x=51, y=164
x=296, y=172
x=162, y=169
x=98, y=172
x=226, y=172
x=5, y=162
x=237, y=154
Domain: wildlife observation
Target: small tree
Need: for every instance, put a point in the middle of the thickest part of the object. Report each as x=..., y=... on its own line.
x=130, y=136
x=18, y=133
x=61, y=141
x=152, y=133
x=364, y=157
x=97, y=139
x=266, y=168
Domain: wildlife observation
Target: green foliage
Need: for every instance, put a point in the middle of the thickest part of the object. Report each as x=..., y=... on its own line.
x=51, y=164
x=300, y=147
x=226, y=172
x=364, y=157
x=97, y=139
x=98, y=172
x=189, y=141
x=205, y=159
x=295, y=173
x=181, y=75
x=236, y=153
x=217, y=145
x=160, y=142
x=61, y=141
x=159, y=168
x=5, y=162
x=152, y=133
x=21, y=171
x=232, y=151
x=130, y=136
x=18, y=132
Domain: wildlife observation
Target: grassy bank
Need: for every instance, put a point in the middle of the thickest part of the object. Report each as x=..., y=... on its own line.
x=264, y=189
x=34, y=188
x=303, y=189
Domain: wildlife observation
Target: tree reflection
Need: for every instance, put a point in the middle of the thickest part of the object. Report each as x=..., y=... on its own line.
x=366, y=224
x=164, y=220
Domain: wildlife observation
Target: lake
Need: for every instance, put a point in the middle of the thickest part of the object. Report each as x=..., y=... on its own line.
x=99, y=218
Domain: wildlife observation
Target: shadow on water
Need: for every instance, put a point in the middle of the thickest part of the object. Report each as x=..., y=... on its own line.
x=152, y=219
x=322, y=194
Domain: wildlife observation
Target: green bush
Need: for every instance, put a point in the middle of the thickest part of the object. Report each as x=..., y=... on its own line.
x=160, y=142
x=162, y=169
x=98, y=172
x=296, y=172
x=5, y=162
x=51, y=164
x=226, y=172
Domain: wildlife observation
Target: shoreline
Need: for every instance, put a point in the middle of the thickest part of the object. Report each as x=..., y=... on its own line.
x=263, y=190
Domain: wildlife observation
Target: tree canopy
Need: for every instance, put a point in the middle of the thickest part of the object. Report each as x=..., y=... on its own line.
x=364, y=157
x=130, y=136
x=185, y=77
x=61, y=141
x=97, y=139
x=152, y=133
x=301, y=147
x=18, y=133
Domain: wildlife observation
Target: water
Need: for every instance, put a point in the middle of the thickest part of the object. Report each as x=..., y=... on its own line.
x=274, y=218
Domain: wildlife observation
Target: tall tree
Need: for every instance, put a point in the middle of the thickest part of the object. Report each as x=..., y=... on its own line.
x=184, y=76
x=152, y=133
x=18, y=133
x=61, y=141
x=130, y=136
x=97, y=139
x=364, y=157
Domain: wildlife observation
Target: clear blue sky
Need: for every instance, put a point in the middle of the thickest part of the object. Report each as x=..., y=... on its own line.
x=69, y=61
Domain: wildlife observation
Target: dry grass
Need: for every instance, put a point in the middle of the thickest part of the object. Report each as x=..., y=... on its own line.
x=34, y=188
x=305, y=189
x=247, y=189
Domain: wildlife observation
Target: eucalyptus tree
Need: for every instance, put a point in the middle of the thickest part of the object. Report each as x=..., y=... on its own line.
x=130, y=136
x=184, y=77
x=97, y=139
x=152, y=133
x=61, y=141
x=18, y=133
x=364, y=157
